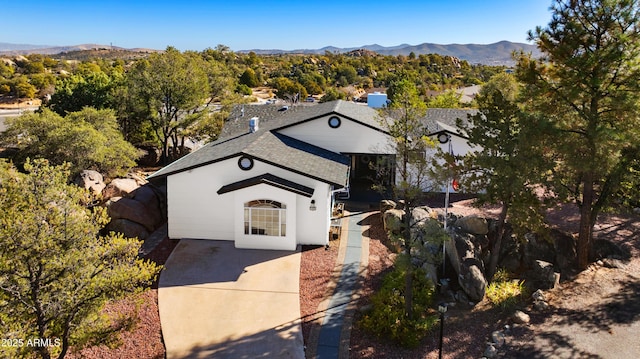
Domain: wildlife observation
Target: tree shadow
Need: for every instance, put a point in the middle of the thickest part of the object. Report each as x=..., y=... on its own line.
x=211, y=261
x=543, y=346
x=620, y=308
x=284, y=341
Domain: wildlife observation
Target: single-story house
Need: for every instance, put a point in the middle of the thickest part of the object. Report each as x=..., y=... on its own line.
x=271, y=179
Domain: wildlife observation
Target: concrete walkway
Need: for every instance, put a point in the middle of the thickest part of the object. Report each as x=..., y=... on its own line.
x=333, y=339
x=216, y=301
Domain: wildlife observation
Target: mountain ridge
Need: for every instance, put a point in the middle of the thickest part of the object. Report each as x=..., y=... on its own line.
x=498, y=53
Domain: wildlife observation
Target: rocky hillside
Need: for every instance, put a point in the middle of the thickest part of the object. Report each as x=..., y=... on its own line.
x=498, y=53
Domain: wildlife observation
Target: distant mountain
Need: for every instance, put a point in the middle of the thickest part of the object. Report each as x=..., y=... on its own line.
x=18, y=47
x=491, y=54
x=14, y=49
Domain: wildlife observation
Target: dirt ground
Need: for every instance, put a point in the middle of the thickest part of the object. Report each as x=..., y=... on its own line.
x=595, y=314
x=10, y=103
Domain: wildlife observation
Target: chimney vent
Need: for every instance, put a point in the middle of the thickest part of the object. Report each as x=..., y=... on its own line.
x=253, y=124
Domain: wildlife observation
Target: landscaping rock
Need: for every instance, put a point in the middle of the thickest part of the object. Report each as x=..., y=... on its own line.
x=393, y=220
x=120, y=187
x=540, y=305
x=148, y=197
x=490, y=352
x=537, y=248
x=91, y=180
x=473, y=282
x=128, y=228
x=538, y=295
x=386, y=204
x=431, y=272
x=521, y=317
x=473, y=224
x=498, y=338
x=420, y=215
x=465, y=257
x=140, y=180
x=565, y=250
x=126, y=208
x=543, y=274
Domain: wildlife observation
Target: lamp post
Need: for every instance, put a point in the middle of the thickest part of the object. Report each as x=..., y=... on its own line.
x=442, y=308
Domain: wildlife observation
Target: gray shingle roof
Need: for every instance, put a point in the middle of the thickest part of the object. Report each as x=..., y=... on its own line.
x=271, y=117
x=273, y=148
x=444, y=119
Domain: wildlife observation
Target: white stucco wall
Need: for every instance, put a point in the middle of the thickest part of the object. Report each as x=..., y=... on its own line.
x=195, y=210
x=459, y=147
x=350, y=137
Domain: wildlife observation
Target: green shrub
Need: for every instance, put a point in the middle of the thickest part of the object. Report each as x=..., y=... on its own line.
x=244, y=89
x=504, y=292
x=387, y=318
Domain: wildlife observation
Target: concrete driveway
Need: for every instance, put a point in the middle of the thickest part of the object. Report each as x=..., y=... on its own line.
x=216, y=301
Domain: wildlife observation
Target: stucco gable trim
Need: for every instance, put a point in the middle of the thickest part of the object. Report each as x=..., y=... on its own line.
x=271, y=180
x=336, y=113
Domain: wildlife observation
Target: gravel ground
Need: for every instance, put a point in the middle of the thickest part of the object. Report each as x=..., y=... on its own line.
x=613, y=291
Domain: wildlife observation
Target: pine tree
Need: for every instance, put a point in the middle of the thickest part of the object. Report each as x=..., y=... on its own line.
x=586, y=92
x=56, y=272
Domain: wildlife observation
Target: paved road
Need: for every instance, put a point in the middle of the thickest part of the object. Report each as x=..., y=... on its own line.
x=216, y=301
x=4, y=114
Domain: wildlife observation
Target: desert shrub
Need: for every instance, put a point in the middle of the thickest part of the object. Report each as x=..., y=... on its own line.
x=505, y=292
x=244, y=89
x=387, y=318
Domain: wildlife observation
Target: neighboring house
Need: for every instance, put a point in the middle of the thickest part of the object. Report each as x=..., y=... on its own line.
x=270, y=181
x=469, y=93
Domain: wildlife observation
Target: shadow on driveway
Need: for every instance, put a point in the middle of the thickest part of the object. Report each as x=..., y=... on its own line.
x=222, y=302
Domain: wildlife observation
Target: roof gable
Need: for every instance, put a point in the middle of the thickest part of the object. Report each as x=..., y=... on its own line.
x=272, y=148
x=272, y=118
x=271, y=180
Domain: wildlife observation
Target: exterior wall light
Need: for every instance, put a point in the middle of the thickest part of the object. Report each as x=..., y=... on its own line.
x=312, y=207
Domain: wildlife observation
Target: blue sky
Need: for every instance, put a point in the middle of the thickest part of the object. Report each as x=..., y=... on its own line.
x=199, y=24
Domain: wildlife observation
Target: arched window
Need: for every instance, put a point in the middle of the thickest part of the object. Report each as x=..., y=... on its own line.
x=265, y=217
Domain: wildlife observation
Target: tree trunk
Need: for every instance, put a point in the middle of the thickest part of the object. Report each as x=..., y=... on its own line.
x=495, y=250
x=585, y=234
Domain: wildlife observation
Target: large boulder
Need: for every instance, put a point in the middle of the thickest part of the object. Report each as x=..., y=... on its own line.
x=386, y=204
x=473, y=224
x=91, y=180
x=120, y=187
x=128, y=228
x=148, y=197
x=392, y=220
x=537, y=247
x=127, y=208
x=465, y=254
x=472, y=281
x=422, y=214
x=543, y=275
